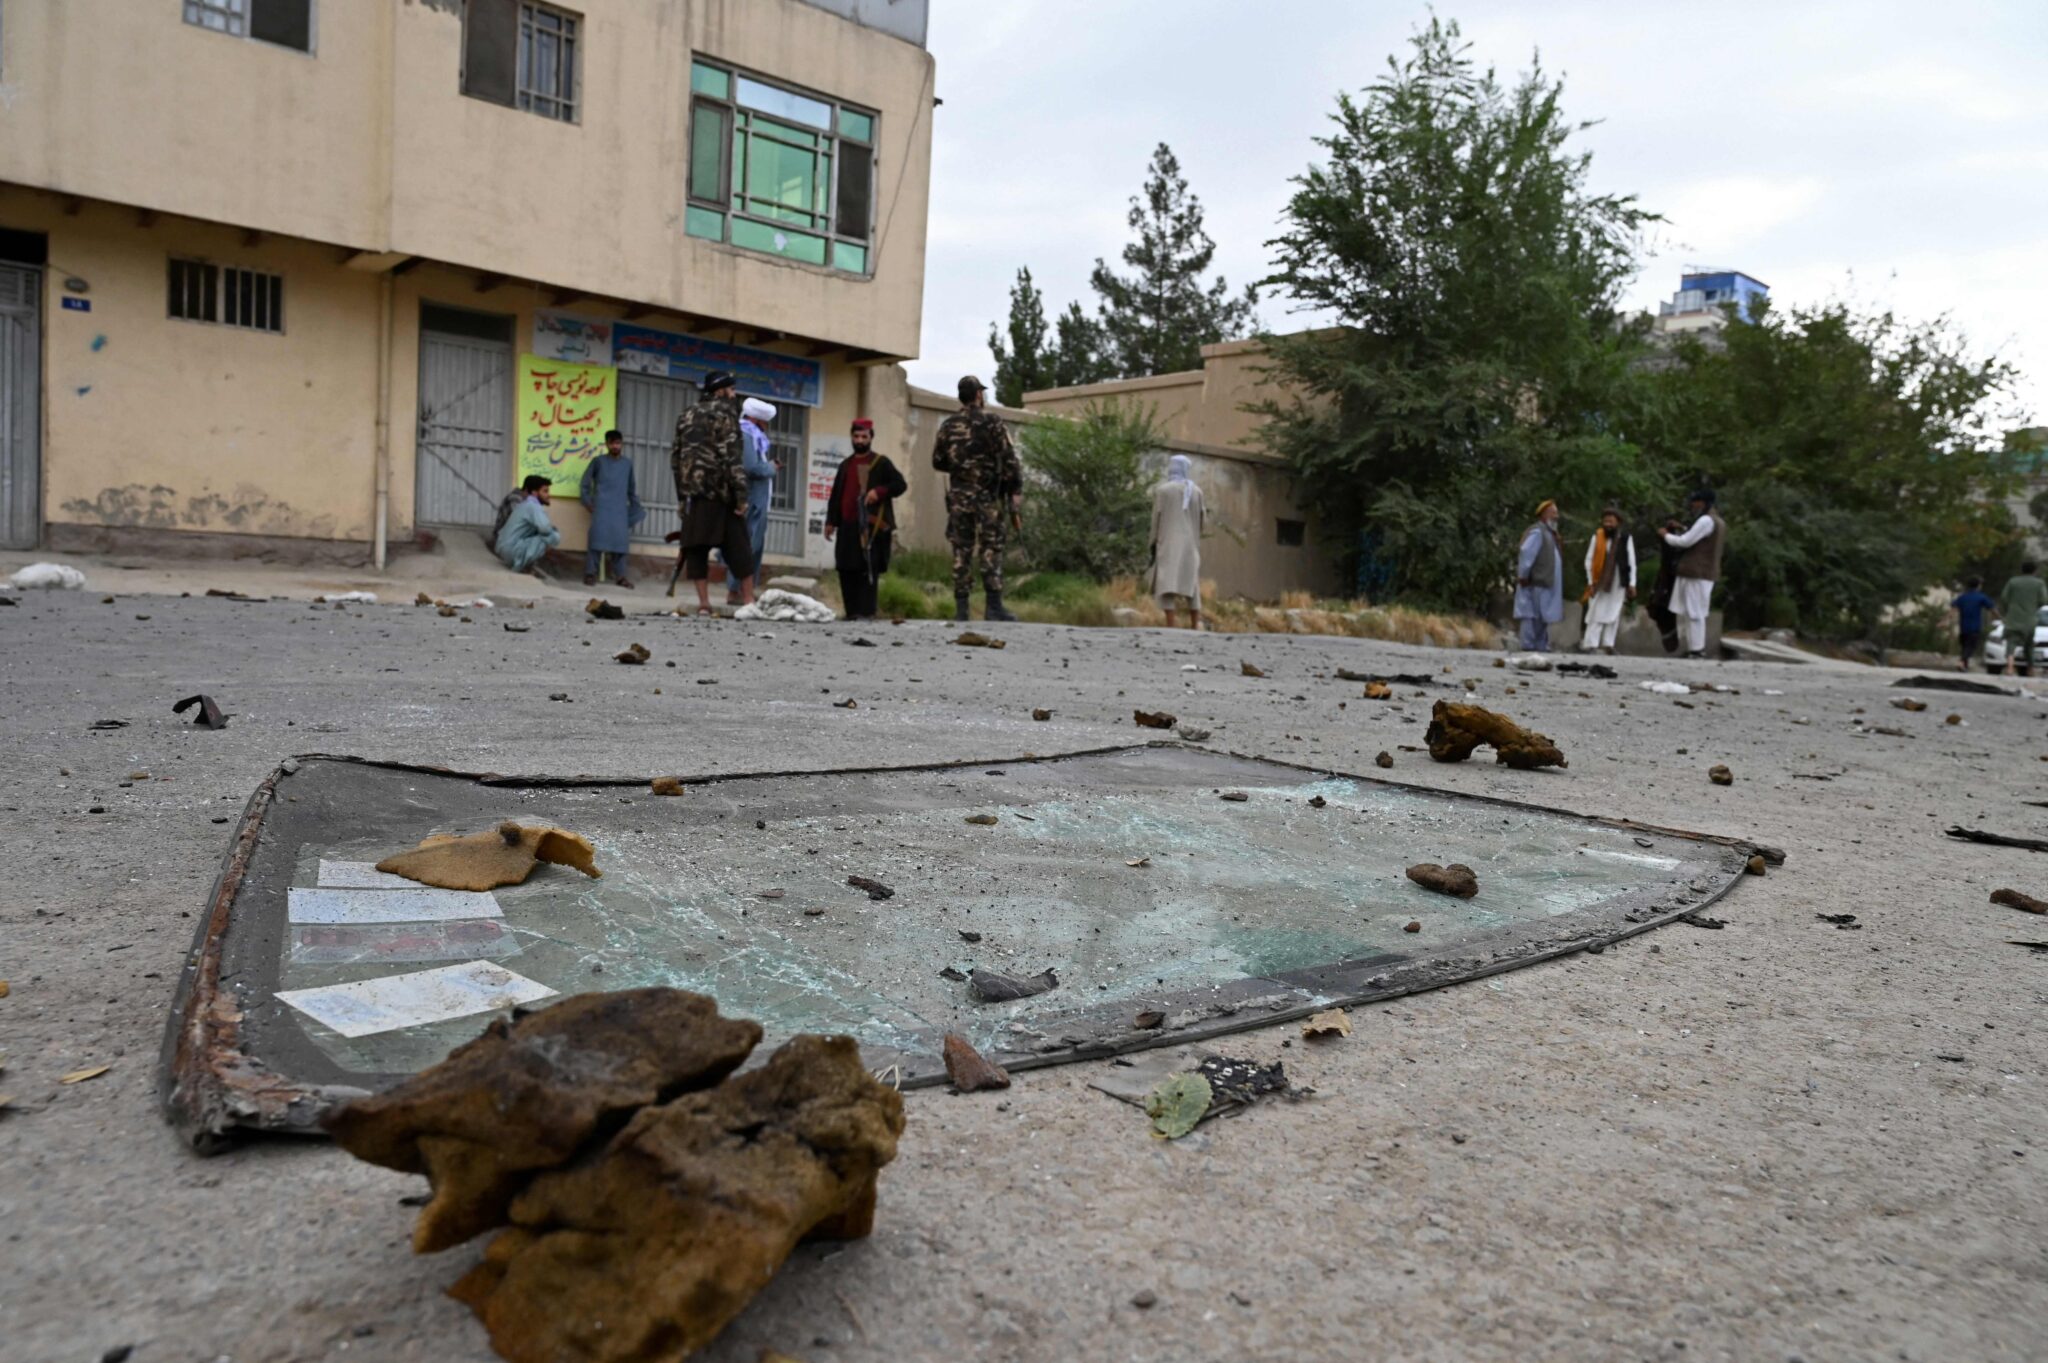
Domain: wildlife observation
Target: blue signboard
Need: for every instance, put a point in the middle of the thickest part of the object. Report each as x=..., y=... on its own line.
x=760, y=373
x=78, y=305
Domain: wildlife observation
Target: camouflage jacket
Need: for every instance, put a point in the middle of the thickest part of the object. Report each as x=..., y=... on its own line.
x=706, y=455
x=974, y=447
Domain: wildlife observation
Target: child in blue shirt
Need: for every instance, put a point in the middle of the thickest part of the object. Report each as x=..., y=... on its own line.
x=1969, y=609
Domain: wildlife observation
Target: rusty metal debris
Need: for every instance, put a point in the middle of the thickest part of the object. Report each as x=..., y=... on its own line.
x=209, y=716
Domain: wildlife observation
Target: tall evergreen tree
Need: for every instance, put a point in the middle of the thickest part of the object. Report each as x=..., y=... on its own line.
x=1157, y=319
x=1077, y=357
x=1023, y=365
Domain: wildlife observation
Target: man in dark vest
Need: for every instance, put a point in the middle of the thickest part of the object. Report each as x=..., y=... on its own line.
x=1699, y=567
x=863, y=506
x=1539, y=580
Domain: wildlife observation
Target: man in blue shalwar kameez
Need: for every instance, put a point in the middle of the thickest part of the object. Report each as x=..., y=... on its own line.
x=528, y=534
x=612, y=499
x=1539, y=580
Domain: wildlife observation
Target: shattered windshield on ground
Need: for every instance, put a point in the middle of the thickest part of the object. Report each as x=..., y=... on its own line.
x=1045, y=909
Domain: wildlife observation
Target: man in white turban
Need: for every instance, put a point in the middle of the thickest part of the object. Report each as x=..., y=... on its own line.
x=1177, y=543
x=760, y=470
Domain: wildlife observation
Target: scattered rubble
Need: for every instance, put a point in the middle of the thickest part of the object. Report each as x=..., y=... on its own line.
x=1378, y=690
x=1998, y=839
x=1235, y=796
x=635, y=654
x=1720, y=775
x=640, y=1241
x=1041, y=715
x=987, y=986
x=530, y=1092
x=602, y=609
x=1385, y=759
x=1908, y=703
x=969, y=1070
x=1190, y=734
x=1152, y=719
x=1249, y=670
x=875, y=888
x=209, y=716
x=505, y=855
x=667, y=785
x=1330, y=1022
x=1965, y=684
x=1755, y=865
x=2013, y=899
x=971, y=639
x=1455, y=730
x=1457, y=879
x=983, y=820
x=1844, y=922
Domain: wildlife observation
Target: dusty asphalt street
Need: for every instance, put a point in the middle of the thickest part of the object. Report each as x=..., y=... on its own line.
x=1778, y=1140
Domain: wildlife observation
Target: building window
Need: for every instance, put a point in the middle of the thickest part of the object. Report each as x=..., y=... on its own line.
x=287, y=23
x=226, y=294
x=780, y=171
x=1290, y=532
x=523, y=55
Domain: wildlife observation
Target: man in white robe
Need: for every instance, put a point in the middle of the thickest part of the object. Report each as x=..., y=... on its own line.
x=1698, y=568
x=1610, y=580
x=1177, y=512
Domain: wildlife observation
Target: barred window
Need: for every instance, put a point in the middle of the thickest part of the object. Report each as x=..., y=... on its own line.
x=287, y=23
x=524, y=55
x=226, y=294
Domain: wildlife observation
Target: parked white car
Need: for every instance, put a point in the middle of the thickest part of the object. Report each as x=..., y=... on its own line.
x=1994, y=643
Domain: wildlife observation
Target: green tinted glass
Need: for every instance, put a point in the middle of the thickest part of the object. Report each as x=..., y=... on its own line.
x=704, y=222
x=759, y=236
x=784, y=131
x=847, y=256
x=860, y=127
x=707, y=150
x=782, y=180
x=709, y=80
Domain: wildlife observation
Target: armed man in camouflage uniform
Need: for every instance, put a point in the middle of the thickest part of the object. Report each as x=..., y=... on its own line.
x=711, y=492
x=983, y=493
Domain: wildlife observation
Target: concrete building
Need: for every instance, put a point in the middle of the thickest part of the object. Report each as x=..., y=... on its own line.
x=313, y=276
x=1261, y=540
x=1702, y=297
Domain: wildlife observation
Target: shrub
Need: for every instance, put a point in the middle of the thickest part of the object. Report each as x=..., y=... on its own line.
x=1087, y=506
x=898, y=597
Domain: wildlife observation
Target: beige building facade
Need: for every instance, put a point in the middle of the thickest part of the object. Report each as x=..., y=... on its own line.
x=324, y=276
x=1261, y=541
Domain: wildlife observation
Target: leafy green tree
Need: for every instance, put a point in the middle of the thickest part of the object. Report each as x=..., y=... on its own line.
x=1087, y=510
x=1157, y=319
x=1857, y=460
x=1077, y=356
x=1474, y=277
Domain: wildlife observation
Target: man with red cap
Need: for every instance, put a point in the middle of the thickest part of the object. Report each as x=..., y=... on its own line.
x=863, y=504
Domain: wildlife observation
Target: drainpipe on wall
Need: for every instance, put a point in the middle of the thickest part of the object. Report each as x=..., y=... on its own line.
x=383, y=521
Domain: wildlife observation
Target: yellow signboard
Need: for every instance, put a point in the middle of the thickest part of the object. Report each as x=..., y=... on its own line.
x=564, y=411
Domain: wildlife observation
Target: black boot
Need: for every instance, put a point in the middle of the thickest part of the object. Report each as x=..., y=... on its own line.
x=993, y=608
x=960, y=612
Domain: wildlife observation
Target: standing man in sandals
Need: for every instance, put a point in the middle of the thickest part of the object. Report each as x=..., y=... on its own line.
x=984, y=490
x=711, y=490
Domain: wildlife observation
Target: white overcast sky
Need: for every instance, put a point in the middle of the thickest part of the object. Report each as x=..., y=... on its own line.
x=1894, y=152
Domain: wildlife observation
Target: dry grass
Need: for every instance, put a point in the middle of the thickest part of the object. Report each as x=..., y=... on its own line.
x=1294, y=613
x=1301, y=613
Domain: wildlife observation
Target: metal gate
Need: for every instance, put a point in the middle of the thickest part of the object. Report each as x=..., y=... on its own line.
x=21, y=404
x=464, y=458
x=648, y=407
